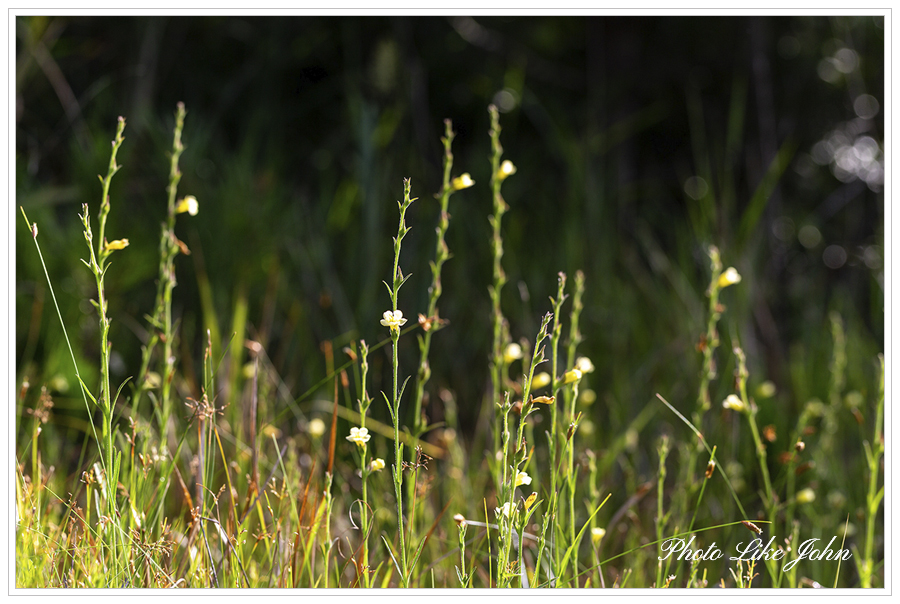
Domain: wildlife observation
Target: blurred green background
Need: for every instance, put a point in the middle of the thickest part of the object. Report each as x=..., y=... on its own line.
x=638, y=141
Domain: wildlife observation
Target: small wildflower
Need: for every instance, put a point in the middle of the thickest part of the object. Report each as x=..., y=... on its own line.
x=503, y=510
x=376, y=465
x=710, y=468
x=360, y=436
x=540, y=380
x=316, y=428
x=530, y=501
x=597, y=534
x=187, y=204
x=507, y=168
x=799, y=446
x=460, y=520
x=806, y=496
x=118, y=244
x=522, y=478
x=734, y=403
x=463, y=181
x=573, y=375
x=584, y=365
x=587, y=397
x=394, y=320
x=729, y=277
x=512, y=353
x=425, y=322
x=544, y=400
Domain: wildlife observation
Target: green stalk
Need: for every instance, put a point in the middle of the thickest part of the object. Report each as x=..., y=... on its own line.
x=556, y=334
x=499, y=276
x=398, y=280
x=874, y=495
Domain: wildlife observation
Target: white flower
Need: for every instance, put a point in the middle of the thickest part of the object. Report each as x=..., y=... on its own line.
x=512, y=353
x=376, y=465
x=503, y=510
x=729, y=277
x=806, y=496
x=506, y=169
x=188, y=204
x=316, y=427
x=394, y=320
x=734, y=403
x=584, y=365
x=597, y=534
x=463, y=181
x=523, y=478
x=360, y=436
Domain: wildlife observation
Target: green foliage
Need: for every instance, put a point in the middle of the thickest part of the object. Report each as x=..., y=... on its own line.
x=233, y=465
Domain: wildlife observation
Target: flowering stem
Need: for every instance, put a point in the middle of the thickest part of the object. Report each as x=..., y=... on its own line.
x=398, y=280
x=497, y=320
x=441, y=255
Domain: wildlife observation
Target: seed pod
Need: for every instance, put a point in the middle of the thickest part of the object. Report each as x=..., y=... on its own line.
x=752, y=527
x=799, y=446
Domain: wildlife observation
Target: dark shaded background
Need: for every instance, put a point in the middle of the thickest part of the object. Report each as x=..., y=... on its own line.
x=301, y=129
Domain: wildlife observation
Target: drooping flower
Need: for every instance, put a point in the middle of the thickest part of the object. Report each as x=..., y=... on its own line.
x=463, y=181
x=118, y=244
x=729, y=277
x=187, y=204
x=394, y=320
x=376, y=465
x=360, y=436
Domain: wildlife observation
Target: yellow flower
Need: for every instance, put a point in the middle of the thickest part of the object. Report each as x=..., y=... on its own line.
x=394, y=320
x=540, y=380
x=806, y=496
x=734, y=403
x=360, y=436
x=118, y=244
x=463, y=181
x=187, y=204
x=729, y=277
x=573, y=375
x=377, y=464
x=506, y=169
x=512, y=353
x=530, y=501
x=597, y=534
x=544, y=400
x=522, y=478
x=316, y=428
